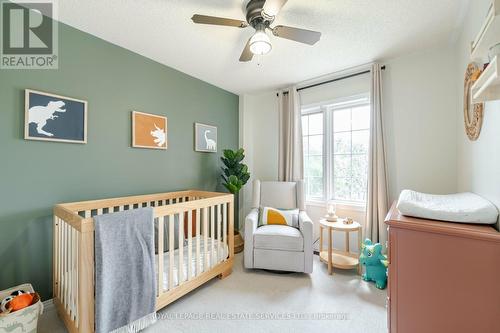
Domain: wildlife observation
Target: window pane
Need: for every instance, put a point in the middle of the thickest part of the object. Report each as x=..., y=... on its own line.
x=358, y=189
x=316, y=187
x=342, y=120
x=360, y=141
x=341, y=166
x=315, y=166
x=360, y=177
x=306, y=166
x=342, y=143
x=342, y=189
x=359, y=166
x=361, y=117
x=305, y=125
x=305, y=145
x=316, y=124
x=316, y=145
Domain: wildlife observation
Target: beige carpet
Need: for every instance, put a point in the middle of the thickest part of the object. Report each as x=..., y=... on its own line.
x=247, y=301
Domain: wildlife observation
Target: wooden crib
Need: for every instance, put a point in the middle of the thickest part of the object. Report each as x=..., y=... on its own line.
x=204, y=236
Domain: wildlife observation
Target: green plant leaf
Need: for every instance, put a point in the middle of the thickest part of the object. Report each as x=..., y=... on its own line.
x=234, y=173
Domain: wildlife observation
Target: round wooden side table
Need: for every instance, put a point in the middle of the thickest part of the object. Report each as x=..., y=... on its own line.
x=336, y=258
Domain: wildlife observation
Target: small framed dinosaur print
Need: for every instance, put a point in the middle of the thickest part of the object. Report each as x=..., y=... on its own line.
x=149, y=131
x=205, y=138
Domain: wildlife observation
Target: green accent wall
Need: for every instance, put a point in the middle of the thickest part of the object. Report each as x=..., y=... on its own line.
x=36, y=175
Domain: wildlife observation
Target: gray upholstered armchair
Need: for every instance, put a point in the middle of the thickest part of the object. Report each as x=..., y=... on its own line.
x=278, y=247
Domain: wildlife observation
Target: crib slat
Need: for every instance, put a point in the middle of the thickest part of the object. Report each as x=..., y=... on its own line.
x=99, y=211
x=77, y=271
x=57, y=244
x=171, y=222
x=219, y=231
x=66, y=264
x=55, y=250
x=66, y=273
x=161, y=249
x=60, y=267
x=61, y=280
x=180, y=267
x=87, y=214
x=212, y=235
x=224, y=223
x=197, y=232
x=63, y=264
x=205, y=238
x=73, y=269
x=190, y=246
x=71, y=272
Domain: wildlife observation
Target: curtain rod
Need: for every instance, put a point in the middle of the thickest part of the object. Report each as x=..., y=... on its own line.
x=333, y=80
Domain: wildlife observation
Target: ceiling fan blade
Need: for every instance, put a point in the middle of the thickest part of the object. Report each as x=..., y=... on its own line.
x=246, y=55
x=299, y=35
x=204, y=19
x=272, y=7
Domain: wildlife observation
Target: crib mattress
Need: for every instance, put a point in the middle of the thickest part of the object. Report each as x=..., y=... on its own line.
x=460, y=207
x=221, y=253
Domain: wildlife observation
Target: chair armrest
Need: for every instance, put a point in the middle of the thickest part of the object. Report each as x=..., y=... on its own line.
x=305, y=223
x=306, y=228
x=251, y=223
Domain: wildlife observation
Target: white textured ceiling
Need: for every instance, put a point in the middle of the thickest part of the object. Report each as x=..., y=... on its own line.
x=354, y=32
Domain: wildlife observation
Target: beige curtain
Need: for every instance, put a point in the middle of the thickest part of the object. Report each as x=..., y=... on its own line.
x=290, y=161
x=377, y=204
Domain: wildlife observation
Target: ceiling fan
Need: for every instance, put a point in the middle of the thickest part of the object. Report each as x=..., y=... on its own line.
x=260, y=14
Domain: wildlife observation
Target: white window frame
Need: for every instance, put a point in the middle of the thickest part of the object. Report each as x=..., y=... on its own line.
x=310, y=110
x=327, y=108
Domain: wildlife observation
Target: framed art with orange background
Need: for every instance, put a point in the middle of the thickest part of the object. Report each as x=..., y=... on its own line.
x=149, y=131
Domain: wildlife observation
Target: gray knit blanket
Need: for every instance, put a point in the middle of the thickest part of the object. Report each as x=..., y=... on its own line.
x=125, y=281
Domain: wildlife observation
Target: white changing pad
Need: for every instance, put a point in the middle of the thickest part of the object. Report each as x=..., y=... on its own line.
x=220, y=253
x=461, y=207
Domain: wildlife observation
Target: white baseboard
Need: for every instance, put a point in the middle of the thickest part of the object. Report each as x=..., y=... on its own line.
x=48, y=305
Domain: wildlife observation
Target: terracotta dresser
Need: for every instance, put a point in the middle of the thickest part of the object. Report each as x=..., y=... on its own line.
x=443, y=277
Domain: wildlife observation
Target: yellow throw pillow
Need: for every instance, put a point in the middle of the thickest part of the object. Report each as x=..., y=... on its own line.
x=274, y=216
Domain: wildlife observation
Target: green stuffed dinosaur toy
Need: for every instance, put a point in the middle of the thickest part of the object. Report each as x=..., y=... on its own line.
x=375, y=262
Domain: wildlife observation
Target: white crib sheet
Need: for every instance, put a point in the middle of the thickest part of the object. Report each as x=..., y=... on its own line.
x=221, y=253
x=460, y=207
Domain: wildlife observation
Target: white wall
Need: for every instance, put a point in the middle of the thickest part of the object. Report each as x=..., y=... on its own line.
x=478, y=162
x=420, y=122
x=259, y=138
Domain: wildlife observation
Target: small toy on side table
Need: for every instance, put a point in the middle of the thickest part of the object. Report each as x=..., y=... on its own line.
x=375, y=262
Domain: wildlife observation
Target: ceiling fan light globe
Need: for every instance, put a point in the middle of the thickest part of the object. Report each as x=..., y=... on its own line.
x=260, y=43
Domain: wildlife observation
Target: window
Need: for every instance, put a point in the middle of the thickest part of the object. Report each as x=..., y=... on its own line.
x=336, y=138
x=313, y=138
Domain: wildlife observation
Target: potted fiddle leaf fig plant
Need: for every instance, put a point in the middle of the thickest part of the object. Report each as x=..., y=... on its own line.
x=234, y=176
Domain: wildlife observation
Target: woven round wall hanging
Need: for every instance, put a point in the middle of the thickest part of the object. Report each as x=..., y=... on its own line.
x=473, y=113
